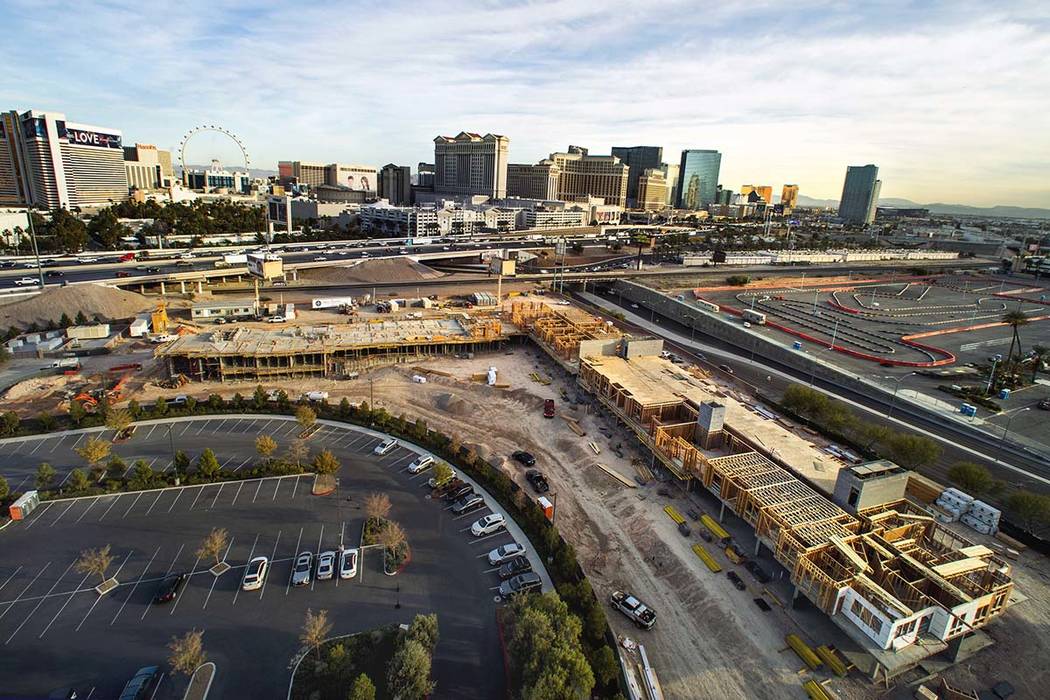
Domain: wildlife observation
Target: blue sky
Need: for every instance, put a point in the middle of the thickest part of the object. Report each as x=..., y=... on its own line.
x=949, y=99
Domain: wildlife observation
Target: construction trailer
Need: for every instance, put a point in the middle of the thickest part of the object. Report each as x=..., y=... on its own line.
x=332, y=351
x=896, y=581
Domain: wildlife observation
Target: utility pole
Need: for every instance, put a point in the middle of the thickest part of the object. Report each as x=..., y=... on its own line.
x=36, y=250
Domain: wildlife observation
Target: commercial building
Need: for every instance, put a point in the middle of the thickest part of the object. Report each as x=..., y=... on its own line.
x=638, y=159
x=548, y=218
x=216, y=178
x=384, y=218
x=697, y=178
x=671, y=173
x=50, y=162
x=789, y=196
x=763, y=191
x=860, y=195
x=299, y=172
x=583, y=176
x=652, y=190
x=395, y=184
x=471, y=164
x=425, y=175
x=539, y=181
x=361, y=178
x=148, y=167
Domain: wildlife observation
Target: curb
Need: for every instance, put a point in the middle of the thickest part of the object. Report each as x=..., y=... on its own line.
x=207, y=688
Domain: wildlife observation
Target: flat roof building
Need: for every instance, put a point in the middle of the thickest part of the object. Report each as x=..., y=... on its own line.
x=471, y=164
x=148, y=167
x=698, y=178
x=638, y=159
x=860, y=195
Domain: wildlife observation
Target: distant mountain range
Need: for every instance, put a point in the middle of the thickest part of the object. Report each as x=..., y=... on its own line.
x=940, y=208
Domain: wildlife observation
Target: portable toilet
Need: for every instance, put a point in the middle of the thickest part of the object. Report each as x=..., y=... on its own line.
x=24, y=505
x=797, y=345
x=547, y=506
x=1004, y=394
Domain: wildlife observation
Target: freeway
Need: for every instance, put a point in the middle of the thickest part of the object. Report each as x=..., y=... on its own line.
x=1027, y=467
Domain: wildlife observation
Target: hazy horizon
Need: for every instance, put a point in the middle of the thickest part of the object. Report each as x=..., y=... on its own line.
x=946, y=98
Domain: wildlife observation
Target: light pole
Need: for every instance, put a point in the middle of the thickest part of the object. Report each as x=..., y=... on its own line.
x=1011, y=420
x=991, y=375
x=36, y=250
x=897, y=382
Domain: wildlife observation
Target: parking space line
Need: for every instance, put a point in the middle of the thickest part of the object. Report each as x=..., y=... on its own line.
x=199, y=492
x=238, y=467
x=65, y=478
x=216, y=578
x=236, y=495
x=90, y=506
x=40, y=602
x=167, y=573
x=33, y=521
x=113, y=503
x=227, y=461
x=81, y=437
x=273, y=558
x=97, y=600
x=137, y=582
x=177, y=495
x=188, y=426
x=68, y=508
x=39, y=444
x=479, y=512
x=295, y=487
x=18, y=488
x=193, y=571
x=10, y=577
x=277, y=488
x=295, y=554
x=251, y=553
x=355, y=441
x=224, y=422
x=28, y=585
x=483, y=538
x=151, y=429
x=132, y=505
x=72, y=594
x=204, y=424
x=215, y=500
x=155, y=501
x=320, y=536
x=57, y=443
x=257, y=489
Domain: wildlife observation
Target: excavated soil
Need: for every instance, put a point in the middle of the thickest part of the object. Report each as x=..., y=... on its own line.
x=373, y=272
x=93, y=300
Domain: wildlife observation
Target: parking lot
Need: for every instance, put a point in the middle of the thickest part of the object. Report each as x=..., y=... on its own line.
x=56, y=631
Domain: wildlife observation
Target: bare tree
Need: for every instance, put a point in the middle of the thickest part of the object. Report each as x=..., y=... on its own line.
x=298, y=451
x=377, y=506
x=392, y=536
x=213, y=544
x=186, y=653
x=316, y=629
x=95, y=561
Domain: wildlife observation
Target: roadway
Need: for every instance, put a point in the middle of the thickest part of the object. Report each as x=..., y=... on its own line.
x=1023, y=467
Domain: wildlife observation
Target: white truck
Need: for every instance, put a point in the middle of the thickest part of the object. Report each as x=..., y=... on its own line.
x=316, y=396
x=635, y=610
x=231, y=259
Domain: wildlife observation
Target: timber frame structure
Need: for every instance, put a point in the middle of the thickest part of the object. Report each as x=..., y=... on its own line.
x=890, y=576
x=560, y=331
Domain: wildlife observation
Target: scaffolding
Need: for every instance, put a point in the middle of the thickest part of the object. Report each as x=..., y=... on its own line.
x=560, y=331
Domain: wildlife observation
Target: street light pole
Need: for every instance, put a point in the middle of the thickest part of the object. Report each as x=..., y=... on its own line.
x=1011, y=420
x=893, y=401
x=36, y=250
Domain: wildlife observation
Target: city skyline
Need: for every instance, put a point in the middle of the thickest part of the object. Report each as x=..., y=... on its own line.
x=790, y=99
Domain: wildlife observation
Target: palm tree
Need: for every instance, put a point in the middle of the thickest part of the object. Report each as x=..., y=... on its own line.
x=1015, y=319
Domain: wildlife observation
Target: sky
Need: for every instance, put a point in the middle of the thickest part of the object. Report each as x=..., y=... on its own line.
x=949, y=99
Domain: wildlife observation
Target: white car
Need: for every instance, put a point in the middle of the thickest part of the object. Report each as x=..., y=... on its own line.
x=422, y=462
x=163, y=338
x=275, y=319
x=325, y=565
x=187, y=256
x=385, y=447
x=255, y=574
x=493, y=522
x=303, y=565
x=27, y=281
x=504, y=552
x=348, y=563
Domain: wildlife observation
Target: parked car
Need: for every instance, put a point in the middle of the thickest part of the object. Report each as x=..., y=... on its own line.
x=450, y=485
x=737, y=581
x=468, y=503
x=325, y=565
x=486, y=525
x=304, y=564
x=170, y=587
x=275, y=319
x=459, y=492
x=513, y=567
x=421, y=463
x=385, y=447
x=504, y=552
x=548, y=408
x=538, y=480
x=348, y=564
x=525, y=458
x=434, y=483
x=522, y=583
x=255, y=574
x=143, y=684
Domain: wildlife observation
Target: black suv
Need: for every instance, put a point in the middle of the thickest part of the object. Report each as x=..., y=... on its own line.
x=513, y=567
x=525, y=458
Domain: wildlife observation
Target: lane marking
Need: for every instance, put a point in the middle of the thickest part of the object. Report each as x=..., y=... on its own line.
x=155, y=501
x=295, y=487
x=177, y=495
x=251, y=553
x=10, y=577
x=33, y=521
x=199, y=492
x=12, y=603
x=257, y=489
x=40, y=602
x=113, y=503
x=57, y=443
x=151, y=429
x=90, y=506
x=273, y=559
x=320, y=535
x=132, y=592
x=131, y=506
x=72, y=594
x=239, y=466
x=68, y=508
x=276, y=489
x=236, y=495
x=295, y=555
x=216, y=499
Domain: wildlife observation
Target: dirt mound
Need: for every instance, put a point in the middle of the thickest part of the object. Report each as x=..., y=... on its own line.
x=374, y=271
x=452, y=405
x=93, y=300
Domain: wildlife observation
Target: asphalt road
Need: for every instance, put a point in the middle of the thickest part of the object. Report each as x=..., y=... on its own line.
x=55, y=631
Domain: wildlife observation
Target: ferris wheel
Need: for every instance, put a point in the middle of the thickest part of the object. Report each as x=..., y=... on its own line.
x=205, y=128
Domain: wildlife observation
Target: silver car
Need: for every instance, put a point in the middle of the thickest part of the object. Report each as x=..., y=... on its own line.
x=325, y=566
x=303, y=566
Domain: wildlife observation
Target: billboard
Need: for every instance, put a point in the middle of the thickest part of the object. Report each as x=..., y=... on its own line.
x=88, y=136
x=265, y=266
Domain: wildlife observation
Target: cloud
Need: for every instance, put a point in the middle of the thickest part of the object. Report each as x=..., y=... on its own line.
x=948, y=99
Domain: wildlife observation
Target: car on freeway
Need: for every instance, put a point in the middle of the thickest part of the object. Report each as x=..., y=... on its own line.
x=524, y=458
x=504, y=552
x=435, y=483
x=54, y=273
x=736, y=580
x=122, y=273
x=522, y=583
x=726, y=368
x=348, y=563
x=486, y=525
x=548, y=408
x=170, y=587
x=255, y=574
x=143, y=684
x=87, y=261
x=385, y=447
x=26, y=282
x=514, y=566
x=538, y=480
x=421, y=463
x=325, y=565
x=220, y=321
x=152, y=269
x=468, y=503
x=304, y=564
x=321, y=258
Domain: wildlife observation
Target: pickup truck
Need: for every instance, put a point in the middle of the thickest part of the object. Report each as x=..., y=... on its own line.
x=538, y=480
x=27, y=282
x=635, y=610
